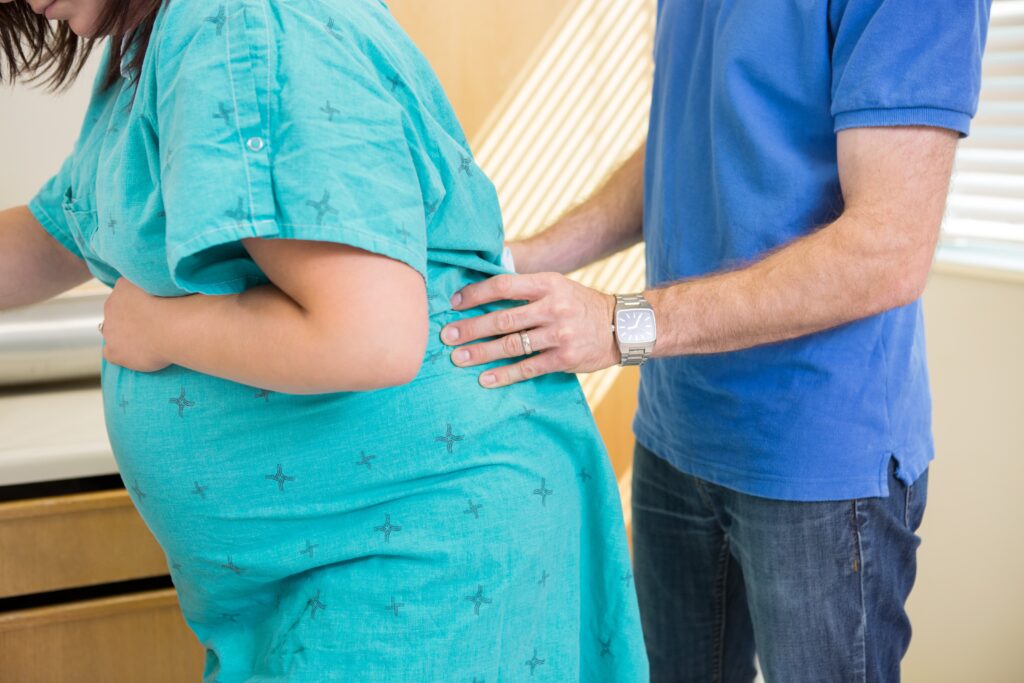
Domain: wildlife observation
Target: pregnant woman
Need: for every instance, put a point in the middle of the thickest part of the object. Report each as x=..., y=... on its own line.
x=283, y=202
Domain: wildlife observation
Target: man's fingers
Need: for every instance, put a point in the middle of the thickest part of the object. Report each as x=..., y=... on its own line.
x=534, y=366
x=499, y=288
x=509, y=346
x=494, y=324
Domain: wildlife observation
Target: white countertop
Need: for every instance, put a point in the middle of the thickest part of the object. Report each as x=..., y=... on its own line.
x=53, y=431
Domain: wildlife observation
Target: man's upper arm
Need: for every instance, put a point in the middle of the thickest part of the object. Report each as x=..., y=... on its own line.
x=895, y=181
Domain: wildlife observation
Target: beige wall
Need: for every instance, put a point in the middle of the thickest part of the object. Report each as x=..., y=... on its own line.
x=513, y=89
x=37, y=131
x=968, y=606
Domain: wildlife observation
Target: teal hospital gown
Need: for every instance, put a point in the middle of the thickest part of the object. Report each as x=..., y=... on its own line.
x=435, y=531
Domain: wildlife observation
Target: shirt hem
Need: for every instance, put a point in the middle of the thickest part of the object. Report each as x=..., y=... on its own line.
x=905, y=116
x=778, y=488
x=354, y=237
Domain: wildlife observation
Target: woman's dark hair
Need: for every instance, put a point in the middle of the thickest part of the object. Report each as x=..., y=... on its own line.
x=33, y=48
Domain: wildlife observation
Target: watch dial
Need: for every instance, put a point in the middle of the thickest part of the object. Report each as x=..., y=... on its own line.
x=635, y=327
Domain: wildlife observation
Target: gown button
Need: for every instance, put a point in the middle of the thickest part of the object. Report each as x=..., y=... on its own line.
x=255, y=144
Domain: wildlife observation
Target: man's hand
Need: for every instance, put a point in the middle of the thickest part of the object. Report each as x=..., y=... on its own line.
x=127, y=326
x=568, y=325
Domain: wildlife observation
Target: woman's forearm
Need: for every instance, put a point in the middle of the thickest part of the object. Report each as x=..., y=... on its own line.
x=265, y=339
x=33, y=265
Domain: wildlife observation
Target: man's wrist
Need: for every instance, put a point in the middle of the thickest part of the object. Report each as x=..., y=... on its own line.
x=656, y=299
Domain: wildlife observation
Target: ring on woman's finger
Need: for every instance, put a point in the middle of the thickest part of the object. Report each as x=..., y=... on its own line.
x=524, y=337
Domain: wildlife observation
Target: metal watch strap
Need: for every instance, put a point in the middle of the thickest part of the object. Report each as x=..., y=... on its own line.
x=633, y=356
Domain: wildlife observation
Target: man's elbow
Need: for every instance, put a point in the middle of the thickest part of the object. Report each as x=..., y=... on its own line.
x=907, y=281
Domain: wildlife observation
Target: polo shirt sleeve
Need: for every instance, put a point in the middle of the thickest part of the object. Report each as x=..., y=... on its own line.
x=277, y=134
x=48, y=207
x=900, y=63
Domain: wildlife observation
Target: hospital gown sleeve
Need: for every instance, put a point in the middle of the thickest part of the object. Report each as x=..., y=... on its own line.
x=48, y=207
x=265, y=135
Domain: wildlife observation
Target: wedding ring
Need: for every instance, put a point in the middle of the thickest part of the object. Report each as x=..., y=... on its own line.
x=100, y=326
x=525, y=338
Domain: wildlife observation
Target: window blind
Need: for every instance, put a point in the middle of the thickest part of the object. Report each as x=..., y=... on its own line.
x=986, y=202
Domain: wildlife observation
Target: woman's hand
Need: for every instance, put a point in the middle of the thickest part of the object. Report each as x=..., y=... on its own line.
x=129, y=317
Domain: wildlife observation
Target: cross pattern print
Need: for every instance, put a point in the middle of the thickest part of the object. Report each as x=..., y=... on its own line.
x=330, y=111
x=543, y=492
x=323, y=207
x=219, y=19
x=534, y=662
x=315, y=604
x=449, y=438
x=473, y=509
x=223, y=112
x=238, y=213
x=182, y=402
x=232, y=567
x=280, y=477
x=387, y=528
x=478, y=599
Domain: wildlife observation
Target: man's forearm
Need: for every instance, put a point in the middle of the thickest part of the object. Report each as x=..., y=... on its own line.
x=841, y=273
x=606, y=223
x=265, y=339
x=874, y=257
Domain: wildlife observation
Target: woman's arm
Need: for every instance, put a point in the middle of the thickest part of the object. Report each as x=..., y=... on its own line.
x=33, y=265
x=336, y=318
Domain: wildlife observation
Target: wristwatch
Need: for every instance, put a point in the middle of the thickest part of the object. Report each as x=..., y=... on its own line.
x=635, y=328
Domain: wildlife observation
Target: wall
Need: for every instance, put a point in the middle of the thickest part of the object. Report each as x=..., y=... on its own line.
x=37, y=131
x=968, y=603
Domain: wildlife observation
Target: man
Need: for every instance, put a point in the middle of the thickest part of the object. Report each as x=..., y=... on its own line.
x=790, y=195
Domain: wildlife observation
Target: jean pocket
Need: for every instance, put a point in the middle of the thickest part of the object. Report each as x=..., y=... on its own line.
x=916, y=499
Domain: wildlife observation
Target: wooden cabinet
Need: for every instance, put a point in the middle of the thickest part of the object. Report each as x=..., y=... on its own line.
x=122, y=639
x=70, y=541
x=71, y=608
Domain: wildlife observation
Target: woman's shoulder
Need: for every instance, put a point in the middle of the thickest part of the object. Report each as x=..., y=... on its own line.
x=300, y=34
x=353, y=20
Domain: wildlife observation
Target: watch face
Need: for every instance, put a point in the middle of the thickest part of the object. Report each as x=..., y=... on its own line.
x=635, y=327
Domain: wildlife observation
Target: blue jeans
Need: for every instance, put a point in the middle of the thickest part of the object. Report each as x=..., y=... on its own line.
x=817, y=590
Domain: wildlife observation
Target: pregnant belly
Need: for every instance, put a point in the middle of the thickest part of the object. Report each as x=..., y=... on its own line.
x=200, y=453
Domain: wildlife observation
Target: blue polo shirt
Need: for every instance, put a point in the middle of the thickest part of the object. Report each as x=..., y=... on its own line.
x=741, y=159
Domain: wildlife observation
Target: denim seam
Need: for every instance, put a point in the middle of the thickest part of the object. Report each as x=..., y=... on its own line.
x=721, y=582
x=861, y=673
x=906, y=506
